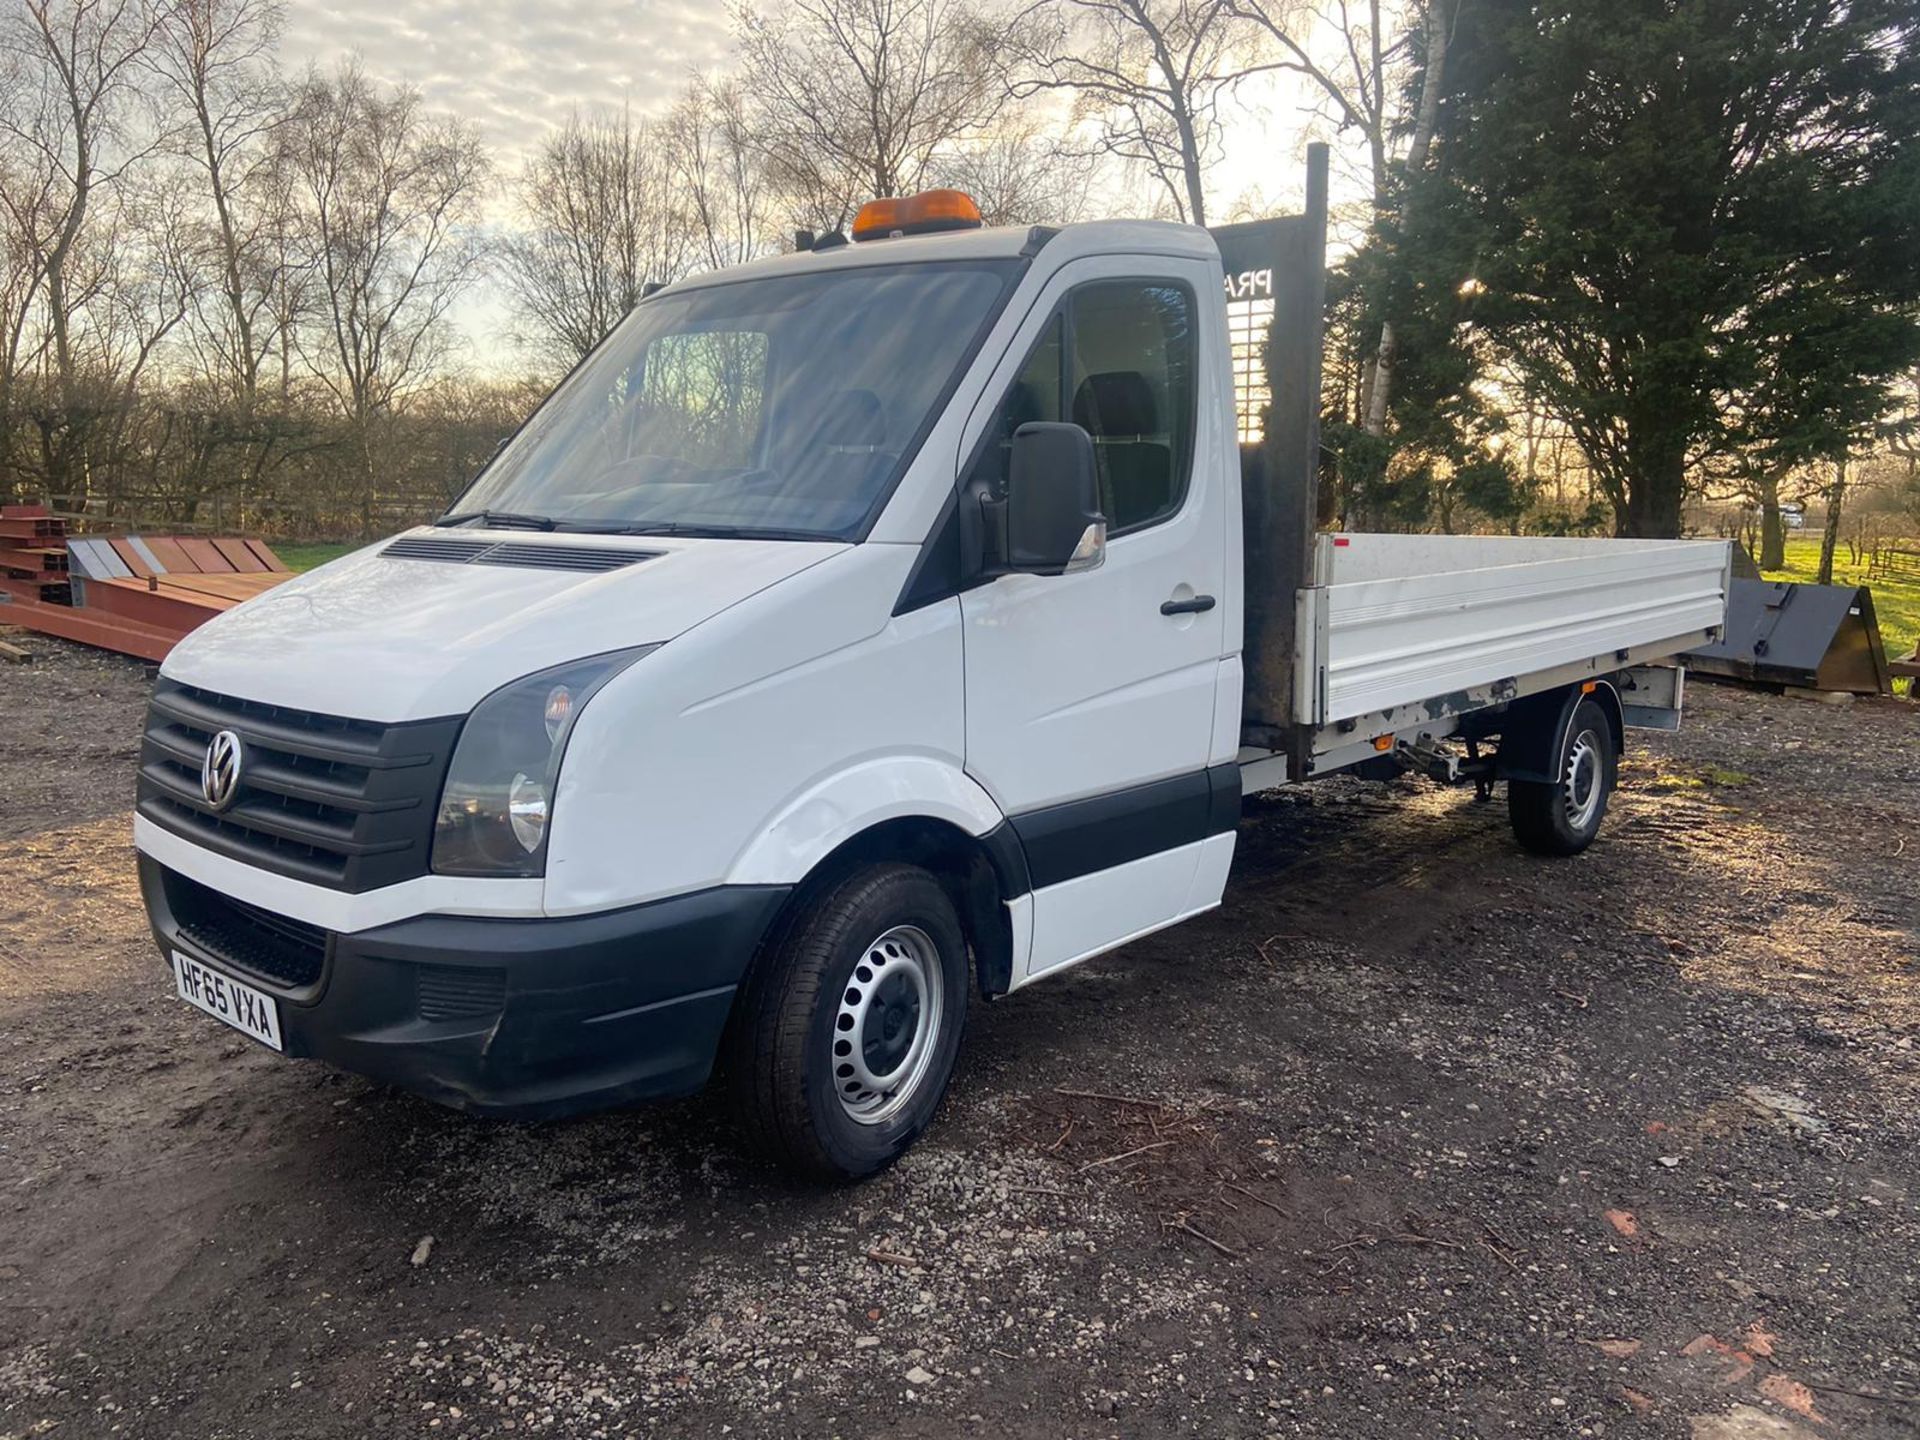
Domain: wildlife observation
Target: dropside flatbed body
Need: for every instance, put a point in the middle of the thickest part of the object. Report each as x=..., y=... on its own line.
x=1402, y=635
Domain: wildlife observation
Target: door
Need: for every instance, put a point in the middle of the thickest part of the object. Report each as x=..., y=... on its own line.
x=1090, y=696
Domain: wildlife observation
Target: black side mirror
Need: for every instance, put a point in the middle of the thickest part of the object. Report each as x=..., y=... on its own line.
x=1054, y=522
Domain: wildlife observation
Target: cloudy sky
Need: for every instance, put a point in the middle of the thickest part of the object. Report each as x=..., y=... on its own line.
x=515, y=67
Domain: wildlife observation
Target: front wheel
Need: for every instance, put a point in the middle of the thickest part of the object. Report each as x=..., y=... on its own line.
x=847, y=1033
x=1562, y=816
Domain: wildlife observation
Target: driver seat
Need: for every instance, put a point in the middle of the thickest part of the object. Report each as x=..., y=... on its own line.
x=845, y=453
x=1116, y=408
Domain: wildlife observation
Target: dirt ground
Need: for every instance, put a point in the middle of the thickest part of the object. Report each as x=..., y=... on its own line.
x=1417, y=1136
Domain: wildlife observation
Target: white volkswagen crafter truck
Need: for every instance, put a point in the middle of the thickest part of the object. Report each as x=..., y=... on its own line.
x=853, y=635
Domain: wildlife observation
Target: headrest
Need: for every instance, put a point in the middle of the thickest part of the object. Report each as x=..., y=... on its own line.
x=851, y=420
x=1116, y=403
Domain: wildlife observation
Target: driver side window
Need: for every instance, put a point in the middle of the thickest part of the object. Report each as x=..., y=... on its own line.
x=1119, y=360
x=1034, y=395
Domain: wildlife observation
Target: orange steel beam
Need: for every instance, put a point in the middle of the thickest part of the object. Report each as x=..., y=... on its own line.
x=108, y=632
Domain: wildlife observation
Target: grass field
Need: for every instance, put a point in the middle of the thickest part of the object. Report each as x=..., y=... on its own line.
x=1896, y=601
x=305, y=555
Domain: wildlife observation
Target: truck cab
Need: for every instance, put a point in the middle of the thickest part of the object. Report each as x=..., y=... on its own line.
x=855, y=634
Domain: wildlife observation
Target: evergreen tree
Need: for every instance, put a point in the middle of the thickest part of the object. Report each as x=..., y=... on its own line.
x=1438, y=443
x=1694, y=222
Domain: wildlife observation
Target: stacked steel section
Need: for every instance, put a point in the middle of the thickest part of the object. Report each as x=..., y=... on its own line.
x=132, y=593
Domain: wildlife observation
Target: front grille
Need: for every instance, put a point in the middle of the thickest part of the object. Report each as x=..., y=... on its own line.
x=344, y=803
x=284, y=952
x=522, y=554
x=455, y=992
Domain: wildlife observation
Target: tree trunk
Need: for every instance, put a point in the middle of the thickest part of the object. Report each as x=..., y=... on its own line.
x=1196, y=197
x=1180, y=105
x=246, y=362
x=1831, y=537
x=1190, y=164
x=1654, y=496
x=1382, y=385
x=1773, y=532
x=1426, y=120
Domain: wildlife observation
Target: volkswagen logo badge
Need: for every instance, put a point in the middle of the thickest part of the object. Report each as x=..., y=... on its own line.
x=220, y=771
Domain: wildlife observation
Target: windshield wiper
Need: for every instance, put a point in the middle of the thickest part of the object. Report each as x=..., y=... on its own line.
x=711, y=532
x=513, y=520
x=499, y=519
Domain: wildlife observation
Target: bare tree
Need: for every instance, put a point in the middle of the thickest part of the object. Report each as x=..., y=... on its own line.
x=288, y=282
x=857, y=98
x=25, y=201
x=1341, y=50
x=128, y=277
x=386, y=196
x=214, y=64
x=720, y=172
x=71, y=71
x=1149, y=74
x=1360, y=83
x=604, y=216
x=137, y=272
x=1019, y=174
x=215, y=58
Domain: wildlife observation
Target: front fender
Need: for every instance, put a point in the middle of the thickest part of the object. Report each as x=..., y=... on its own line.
x=836, y=808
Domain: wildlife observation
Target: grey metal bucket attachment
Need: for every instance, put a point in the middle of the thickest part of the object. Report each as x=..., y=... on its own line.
x=1814, y=637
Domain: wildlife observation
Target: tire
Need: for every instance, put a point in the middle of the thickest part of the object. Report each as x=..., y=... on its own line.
x=1563, y=817
x=864, y=983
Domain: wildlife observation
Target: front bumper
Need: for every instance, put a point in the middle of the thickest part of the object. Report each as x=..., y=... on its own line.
x=524, y=1018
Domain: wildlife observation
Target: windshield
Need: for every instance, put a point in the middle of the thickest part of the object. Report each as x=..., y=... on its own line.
x=787, y=406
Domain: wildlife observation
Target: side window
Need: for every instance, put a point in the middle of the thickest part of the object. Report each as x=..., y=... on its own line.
x=1131, y=372
x=1034, y=395
x=1118, y=360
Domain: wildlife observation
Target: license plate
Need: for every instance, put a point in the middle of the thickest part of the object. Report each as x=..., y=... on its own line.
x=248, y=1010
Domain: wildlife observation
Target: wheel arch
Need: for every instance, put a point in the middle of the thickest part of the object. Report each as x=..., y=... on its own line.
x=920, y=809
x=1534, y=730
x=836, y=808
x=980, y=873
x=1607, y=695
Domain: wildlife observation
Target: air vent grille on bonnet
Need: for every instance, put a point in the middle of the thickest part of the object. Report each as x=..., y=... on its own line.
x=524, y=554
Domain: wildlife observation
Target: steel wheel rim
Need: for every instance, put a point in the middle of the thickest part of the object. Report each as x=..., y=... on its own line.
x=887, y=1025
x=1582, y=789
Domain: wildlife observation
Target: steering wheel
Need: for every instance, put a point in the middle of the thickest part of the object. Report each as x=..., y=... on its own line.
x=622, y=475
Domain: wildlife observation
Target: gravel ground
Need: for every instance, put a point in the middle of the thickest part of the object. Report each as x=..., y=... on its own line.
x=1417, y=1136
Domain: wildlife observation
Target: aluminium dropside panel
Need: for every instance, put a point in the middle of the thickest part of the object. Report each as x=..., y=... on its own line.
x=1434, y=617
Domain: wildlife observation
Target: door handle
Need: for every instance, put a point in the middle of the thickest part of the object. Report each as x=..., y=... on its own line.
x=1198, y=605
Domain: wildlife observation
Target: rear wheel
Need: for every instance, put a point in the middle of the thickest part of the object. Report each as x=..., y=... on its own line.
x=848, y=1030
x=1562, y=816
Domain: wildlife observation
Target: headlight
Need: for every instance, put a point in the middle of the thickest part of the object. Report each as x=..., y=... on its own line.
x=497, y=804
